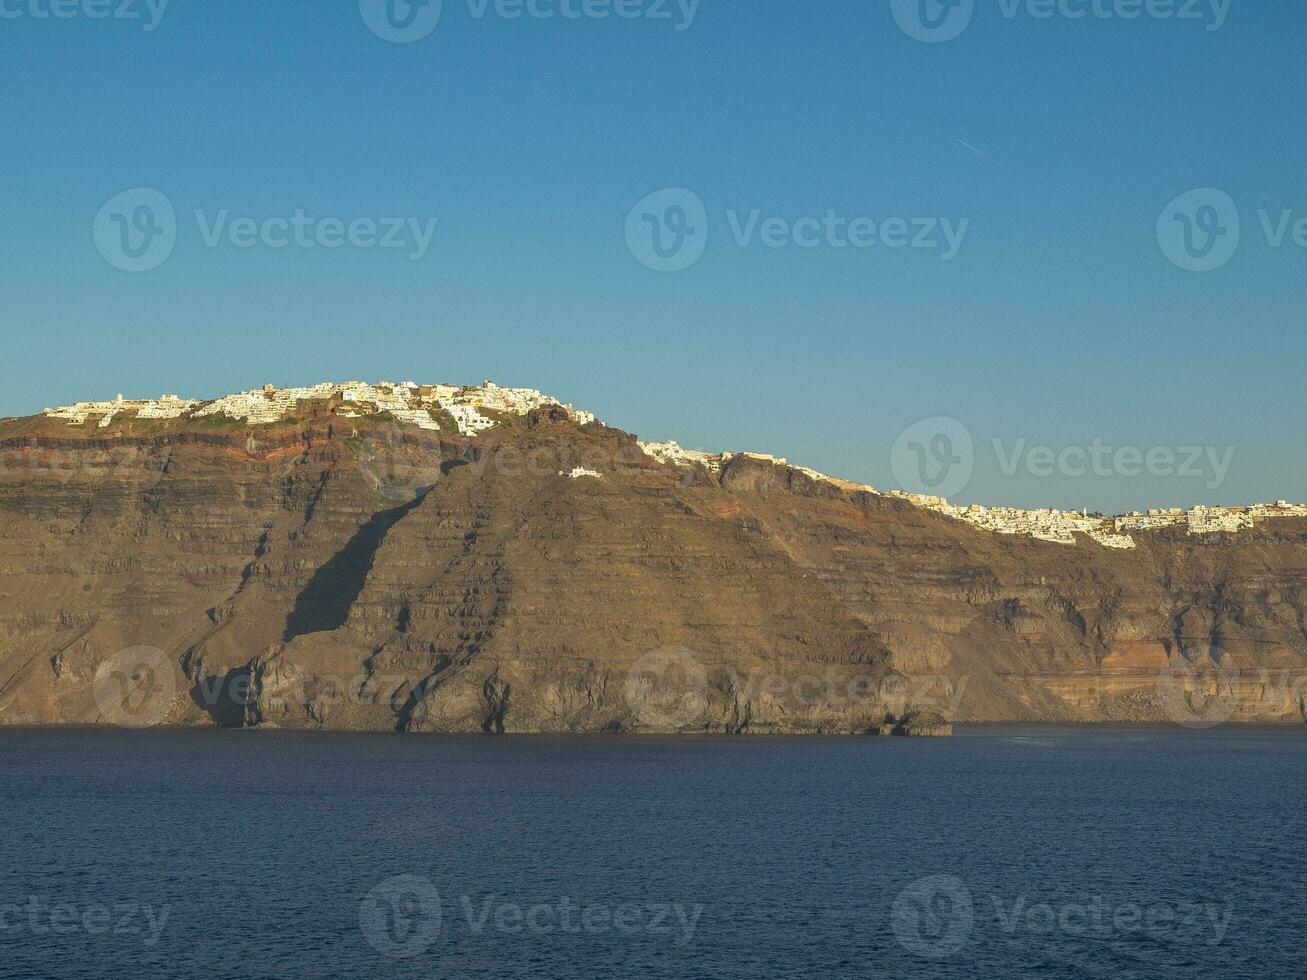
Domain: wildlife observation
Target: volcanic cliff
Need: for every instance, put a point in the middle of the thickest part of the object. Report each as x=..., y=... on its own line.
x=445, y=559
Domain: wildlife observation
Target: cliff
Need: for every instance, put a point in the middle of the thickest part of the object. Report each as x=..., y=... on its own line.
x=470, y=560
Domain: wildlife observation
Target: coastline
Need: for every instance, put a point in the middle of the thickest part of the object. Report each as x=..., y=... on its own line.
x=960, y=730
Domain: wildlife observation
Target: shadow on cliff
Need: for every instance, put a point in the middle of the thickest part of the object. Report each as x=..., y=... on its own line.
x=225, y=697
x=325, y=602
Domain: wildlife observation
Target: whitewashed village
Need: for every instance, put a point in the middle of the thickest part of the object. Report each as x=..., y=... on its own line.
x=473, y=410
x=407, y=401
x=1057, y=526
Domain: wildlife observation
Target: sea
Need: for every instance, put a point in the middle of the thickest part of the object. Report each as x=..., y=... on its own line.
x=1002, y=852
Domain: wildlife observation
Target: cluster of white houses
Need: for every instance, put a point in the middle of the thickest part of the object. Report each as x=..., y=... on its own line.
x=164, y=407
x=407, y=401
x=1061, y=526
x=1057, y=526
x=1208, y=520
x=670, y=452
x=475, y=409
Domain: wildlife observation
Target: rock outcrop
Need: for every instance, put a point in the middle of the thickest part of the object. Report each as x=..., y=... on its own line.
x=344, y=567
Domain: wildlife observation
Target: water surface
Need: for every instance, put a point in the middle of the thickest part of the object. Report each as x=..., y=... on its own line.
x=1022, y=852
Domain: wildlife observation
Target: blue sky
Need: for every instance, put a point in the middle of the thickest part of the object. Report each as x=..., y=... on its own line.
x=1060, y=141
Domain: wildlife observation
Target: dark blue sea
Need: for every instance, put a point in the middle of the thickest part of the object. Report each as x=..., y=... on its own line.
x=998, y=853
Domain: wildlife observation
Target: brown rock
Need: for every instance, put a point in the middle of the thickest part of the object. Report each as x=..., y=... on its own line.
x=321, y=576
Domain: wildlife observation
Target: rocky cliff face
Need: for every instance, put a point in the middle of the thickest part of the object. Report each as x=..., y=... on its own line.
x=358, y=573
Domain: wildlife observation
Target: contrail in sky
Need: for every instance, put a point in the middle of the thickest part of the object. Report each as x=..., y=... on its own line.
x=979, y=153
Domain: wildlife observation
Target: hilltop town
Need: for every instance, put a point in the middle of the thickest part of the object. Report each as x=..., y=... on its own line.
x=1055, y=526
x=476, y=409
x=1061, y=527
x=406, y=401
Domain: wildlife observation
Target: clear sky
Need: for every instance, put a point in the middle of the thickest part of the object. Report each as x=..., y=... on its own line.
x=1054, y=143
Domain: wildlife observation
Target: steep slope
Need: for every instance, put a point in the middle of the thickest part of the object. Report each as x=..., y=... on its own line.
x=531, y=569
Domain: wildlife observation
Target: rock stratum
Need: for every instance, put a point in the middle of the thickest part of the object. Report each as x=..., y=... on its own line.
x=446, y=559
